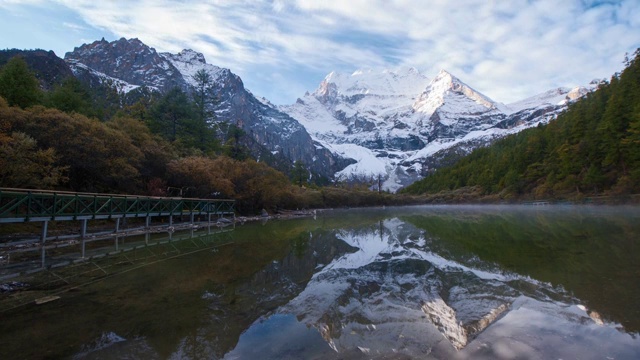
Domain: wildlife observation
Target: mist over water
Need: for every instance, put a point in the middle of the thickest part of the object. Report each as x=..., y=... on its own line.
x=416, y=282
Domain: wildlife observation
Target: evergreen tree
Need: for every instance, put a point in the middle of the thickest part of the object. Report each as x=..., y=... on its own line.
x=171, y=115
x=107, y=101
x=203, y=95
x=71, y=96
x=233, y=147
x=300, y=174
x=203, y=99
x=18, y=84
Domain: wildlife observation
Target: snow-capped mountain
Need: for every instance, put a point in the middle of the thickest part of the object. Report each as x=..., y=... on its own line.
x=272, y=134
x=91, y=76
x=128, y=60
x=399, y=125
x=389, y=127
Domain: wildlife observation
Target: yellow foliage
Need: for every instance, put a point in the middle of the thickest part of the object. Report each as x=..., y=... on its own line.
x=98, y=157
x=203, y=176
x=23, y=165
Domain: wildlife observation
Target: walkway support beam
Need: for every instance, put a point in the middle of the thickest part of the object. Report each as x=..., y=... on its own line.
x=43, y=238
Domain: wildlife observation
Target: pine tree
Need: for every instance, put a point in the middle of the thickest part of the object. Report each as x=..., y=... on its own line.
x=203, y=99
x=300, y=174
x=18, y=84
x=71, y=96
x=233, y=147
x=171, y=115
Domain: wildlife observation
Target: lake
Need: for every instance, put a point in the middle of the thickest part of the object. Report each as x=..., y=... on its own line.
x=426, y=282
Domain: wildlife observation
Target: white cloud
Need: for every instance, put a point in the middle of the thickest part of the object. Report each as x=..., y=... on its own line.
x=74, y=27
x=8, y=3
x=506, y=49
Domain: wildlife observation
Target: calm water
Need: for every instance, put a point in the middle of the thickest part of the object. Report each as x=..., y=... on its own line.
x=396, y=283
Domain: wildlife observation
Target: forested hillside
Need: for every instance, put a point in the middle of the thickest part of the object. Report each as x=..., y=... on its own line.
x=69, y=136
x=72, y=137
x=592, y=148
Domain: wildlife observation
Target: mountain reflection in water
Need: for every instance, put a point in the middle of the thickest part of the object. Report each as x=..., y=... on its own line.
x=405, y=287
x=397, y=283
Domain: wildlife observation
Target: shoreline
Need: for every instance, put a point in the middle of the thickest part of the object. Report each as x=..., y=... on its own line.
x=67, y=233
x=28, y=240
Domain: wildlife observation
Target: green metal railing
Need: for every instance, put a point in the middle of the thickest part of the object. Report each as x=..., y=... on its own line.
x=20, y=205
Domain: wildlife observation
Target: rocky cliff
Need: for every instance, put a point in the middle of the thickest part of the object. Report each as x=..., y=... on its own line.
x=273, y=135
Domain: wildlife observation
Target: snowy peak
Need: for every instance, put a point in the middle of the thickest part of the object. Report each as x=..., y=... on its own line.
x=128, y=60
x=445, y=77
x=576, y=93
x=379, y=118
x=450, y=95
x=188, y=62
x=555, y=97
x=385, y=82
x=327, y=91
x=550, y=97
x=188, y=56
x=461, y=88
x=397, y=126
x=449, y=99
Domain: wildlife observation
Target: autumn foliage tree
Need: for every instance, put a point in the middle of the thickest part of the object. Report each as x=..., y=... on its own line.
x=156, y=151
x=22, y=162
x=98, y=158
x=252, y=184
x=259, y=186
x=203, y=176
x=29, y=166
x=86, y=138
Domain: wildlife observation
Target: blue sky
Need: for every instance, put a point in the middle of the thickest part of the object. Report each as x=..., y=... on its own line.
x=507, y=49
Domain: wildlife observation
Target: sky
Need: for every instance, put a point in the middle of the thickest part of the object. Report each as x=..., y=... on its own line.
x=506, y=49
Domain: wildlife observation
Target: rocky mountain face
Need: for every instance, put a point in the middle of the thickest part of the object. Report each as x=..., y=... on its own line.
x=130, y=61
x=131, y=65
x=399, y=125
x=47, y=66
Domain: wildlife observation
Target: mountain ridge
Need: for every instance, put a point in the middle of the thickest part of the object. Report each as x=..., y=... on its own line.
x=591, y=149
x=387, y=127
x=400, y=130
x=271, y=134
